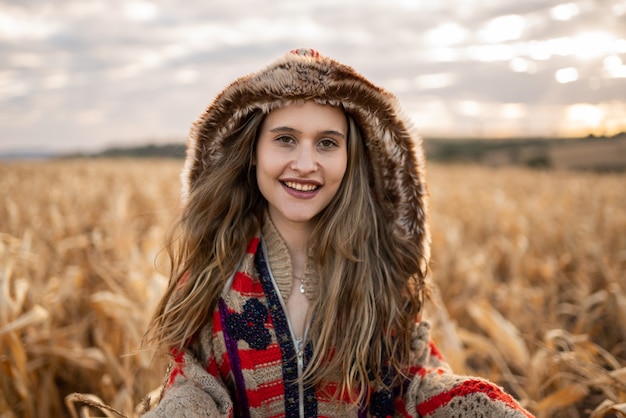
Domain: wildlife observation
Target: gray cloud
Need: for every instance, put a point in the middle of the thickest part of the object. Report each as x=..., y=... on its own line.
x=87, y=73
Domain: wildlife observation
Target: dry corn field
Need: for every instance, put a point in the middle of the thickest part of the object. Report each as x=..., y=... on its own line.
x=528, y=273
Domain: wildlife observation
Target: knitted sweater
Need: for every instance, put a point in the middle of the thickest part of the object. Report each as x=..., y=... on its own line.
x=249, y=361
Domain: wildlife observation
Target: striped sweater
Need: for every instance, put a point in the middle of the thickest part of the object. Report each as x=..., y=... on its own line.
x=248, y=362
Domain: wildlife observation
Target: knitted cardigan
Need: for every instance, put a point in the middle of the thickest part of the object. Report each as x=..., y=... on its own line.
x=245, y=361
x=248, y=362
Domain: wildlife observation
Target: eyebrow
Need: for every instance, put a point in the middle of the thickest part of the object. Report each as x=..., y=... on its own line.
x=290, y=129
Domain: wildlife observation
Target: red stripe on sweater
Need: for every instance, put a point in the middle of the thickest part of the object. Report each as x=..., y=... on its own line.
x=177, y=368
x=223, y=363
x=467, y=388
x=266, y=393
x=217, y=323
x=422, y=371
x=257, y=359
x=252, y=246
x=212, y=367
x=400, y=407
x=434, y=351
x=247, y=286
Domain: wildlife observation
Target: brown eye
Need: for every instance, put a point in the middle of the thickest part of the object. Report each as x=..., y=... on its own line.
x=328, y=143
x=285, y=139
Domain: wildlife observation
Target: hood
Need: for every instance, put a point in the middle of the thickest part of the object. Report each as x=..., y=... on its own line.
x=394, y=147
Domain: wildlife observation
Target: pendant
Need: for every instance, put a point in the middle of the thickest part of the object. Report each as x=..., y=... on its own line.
x=301, y=287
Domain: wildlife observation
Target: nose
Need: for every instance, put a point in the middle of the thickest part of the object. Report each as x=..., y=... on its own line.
x=305, y=160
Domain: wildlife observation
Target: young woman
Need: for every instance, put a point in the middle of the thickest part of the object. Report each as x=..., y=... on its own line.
x=299, y=265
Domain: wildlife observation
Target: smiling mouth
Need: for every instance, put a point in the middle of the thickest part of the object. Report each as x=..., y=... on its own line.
x=301, y=187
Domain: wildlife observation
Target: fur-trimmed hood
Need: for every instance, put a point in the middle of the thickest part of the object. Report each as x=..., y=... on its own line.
x=394, y=148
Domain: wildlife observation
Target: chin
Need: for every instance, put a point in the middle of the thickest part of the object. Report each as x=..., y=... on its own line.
x=299, y=216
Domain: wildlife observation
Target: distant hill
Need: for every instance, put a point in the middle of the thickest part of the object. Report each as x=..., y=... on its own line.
x=25, y=155
x=591, y=153
x=144, y=151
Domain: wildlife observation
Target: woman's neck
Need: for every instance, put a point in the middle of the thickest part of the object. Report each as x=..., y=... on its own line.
x=296, y=237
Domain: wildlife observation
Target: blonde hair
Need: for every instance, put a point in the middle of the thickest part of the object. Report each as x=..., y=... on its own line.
x=222, y=214
x=372, y=285
x=371, y=290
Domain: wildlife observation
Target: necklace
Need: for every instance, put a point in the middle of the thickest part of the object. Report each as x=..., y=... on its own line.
x=301, y=283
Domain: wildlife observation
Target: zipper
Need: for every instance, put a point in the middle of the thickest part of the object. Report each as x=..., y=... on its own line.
x=297, y=343
x=300, y=355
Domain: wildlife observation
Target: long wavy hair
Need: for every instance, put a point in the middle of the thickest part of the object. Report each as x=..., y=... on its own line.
x=372, y=285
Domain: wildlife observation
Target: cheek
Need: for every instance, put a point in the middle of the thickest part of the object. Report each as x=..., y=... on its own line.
x=265, y=167
x=266, y=173
x=265, y=158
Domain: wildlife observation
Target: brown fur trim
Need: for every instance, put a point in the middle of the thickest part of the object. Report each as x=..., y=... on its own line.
x=393, y=145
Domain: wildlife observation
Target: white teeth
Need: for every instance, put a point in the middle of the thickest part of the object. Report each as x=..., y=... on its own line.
x=300, y=187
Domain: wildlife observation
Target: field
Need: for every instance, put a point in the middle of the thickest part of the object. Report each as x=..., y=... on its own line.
x=528, y=283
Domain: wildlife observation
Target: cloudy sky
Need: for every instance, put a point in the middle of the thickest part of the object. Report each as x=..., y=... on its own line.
x=87, y=74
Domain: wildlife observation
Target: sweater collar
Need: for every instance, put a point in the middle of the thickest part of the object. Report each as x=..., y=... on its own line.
x=280, y=262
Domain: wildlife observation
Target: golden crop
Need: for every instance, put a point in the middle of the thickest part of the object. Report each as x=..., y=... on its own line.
x=528, y=273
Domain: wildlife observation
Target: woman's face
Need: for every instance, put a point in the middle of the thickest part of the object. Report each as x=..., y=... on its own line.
x=301, y=158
